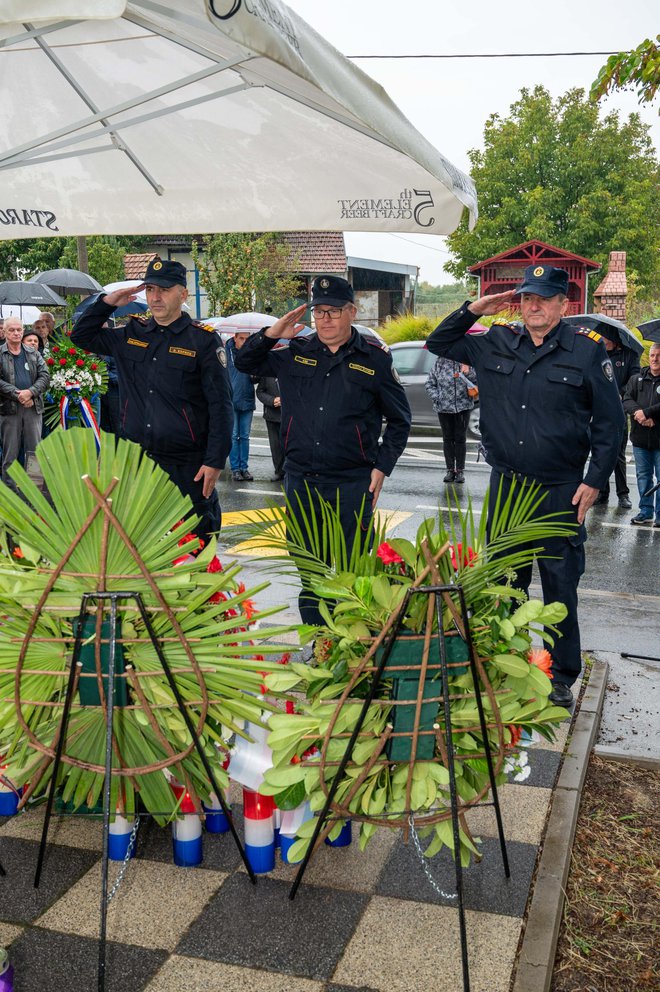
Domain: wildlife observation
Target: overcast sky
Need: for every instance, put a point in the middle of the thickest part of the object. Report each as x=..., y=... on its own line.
x=449, y=100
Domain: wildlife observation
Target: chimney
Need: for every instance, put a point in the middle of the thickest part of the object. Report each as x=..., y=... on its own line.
x=610, y=297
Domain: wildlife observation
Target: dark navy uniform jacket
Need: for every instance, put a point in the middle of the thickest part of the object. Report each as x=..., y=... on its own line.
x=333, y=405
x=625, y=363
x=542, y=410
x=174, y=391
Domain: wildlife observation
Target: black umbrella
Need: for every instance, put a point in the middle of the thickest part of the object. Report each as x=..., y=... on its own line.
x=24, y=294
x=650, y=330
x=610, y=328
x=68, y=281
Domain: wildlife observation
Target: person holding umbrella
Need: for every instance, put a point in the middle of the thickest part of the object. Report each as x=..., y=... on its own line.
x=642, y=401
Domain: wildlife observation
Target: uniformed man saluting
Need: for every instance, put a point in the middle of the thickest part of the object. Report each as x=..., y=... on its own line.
x=548, y=401
x=174, y=391
x=336, y=387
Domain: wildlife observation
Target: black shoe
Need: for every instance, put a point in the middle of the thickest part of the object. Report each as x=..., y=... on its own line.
x=450, y=476
x=601, y=499
x=237, y=476
x=246, y=477
x=639, y=520
x=624, y=502
x=561, y=695
x=459, y=477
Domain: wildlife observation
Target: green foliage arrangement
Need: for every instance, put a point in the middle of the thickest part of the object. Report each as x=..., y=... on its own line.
x=203, y=617
x=361, y=590
x=636, y=70
x=407, y=327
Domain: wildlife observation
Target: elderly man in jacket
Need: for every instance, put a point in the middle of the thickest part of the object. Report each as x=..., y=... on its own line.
x=24, y=379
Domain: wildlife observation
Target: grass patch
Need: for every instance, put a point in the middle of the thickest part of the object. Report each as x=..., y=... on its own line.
x=608, y=940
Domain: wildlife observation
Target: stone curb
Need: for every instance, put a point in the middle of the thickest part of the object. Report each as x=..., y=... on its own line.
x=537, y=951
x=611, y=753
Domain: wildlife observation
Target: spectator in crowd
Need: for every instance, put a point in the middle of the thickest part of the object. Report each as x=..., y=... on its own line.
x=244, y=405
x=625, y=364
x=2, y=328
x=174, y=391
x=642, y=401
x=268, y=393
x=24, y=379
x=44, y=325
x=31, y=340
x=452, y=388
x=337, y=388
x=548, y=402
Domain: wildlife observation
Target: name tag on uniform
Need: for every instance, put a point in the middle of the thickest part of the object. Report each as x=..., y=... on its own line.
x=140, y=344
x=182, y=351
x=305, y=361
x=361, y=368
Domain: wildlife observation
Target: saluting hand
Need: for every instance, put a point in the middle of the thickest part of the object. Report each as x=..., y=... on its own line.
x=288, y=325
x=486, y=306
x=120, y=297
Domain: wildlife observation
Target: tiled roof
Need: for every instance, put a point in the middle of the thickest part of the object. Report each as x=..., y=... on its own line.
x=317, y=251
x=135, y=266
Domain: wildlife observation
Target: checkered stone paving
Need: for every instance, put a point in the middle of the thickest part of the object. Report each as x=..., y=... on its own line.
x=361, y=922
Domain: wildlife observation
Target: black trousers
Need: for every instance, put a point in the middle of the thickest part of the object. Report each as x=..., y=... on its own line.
x=303, y=493
x=620, y=478
x=275, y=442
x=208, y=509
x=454, y=438
x=560, y=574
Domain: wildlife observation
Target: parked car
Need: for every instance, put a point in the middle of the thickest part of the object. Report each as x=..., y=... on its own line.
x=413, y=361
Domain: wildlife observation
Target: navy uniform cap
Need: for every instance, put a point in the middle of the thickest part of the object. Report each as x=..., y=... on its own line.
x=544, y=280
x=165, y=273
x=331, y=291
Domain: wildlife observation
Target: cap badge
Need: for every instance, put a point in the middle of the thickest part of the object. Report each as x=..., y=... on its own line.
x=324, y=283
x=156, y=266
x=539, y=270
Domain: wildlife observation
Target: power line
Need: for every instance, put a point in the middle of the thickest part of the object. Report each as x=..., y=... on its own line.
x=487, y=55
x=419, y=244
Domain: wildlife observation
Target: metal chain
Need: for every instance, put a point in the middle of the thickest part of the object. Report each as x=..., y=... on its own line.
x=425, y=862
x=127, y=858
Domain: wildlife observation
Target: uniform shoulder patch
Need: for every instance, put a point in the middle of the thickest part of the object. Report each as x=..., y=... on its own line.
x=221, y=355
x=140, y=319
x=202, y=326
x=586, y=332
x=608, y=371
x=507, y=325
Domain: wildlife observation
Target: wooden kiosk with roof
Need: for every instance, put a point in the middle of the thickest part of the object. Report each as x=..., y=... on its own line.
x=505, y=271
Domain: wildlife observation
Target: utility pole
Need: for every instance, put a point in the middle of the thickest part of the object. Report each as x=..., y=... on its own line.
x=83, y=261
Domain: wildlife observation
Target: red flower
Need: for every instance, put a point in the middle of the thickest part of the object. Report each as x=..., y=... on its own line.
x=541, y=658
x=72, y=351
x=80, y=363
x=215, y=565
x=516, y=733
x=50, y=361
x=93, y=366
x=467, y=556
x=62, y=361
x=218, y=597
x=388, y=555
x=55, y=348
x=18, y=553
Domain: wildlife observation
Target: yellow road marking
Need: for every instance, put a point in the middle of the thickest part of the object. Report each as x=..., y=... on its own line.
x=253, y=546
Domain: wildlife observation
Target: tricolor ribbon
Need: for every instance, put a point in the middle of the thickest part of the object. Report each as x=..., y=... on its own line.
x=86, y=412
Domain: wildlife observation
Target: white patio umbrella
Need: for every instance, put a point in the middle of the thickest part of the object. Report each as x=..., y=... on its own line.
x=27, y=314
x=140, y=297
x=139, y=116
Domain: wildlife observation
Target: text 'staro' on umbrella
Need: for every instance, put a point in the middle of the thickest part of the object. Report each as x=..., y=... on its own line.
x=68, y=282
x=650, y=330
x=610, y=328
x=29, y=294
x=196, y=117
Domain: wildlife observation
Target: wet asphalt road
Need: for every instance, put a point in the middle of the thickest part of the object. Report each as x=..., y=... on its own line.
x=619, y=592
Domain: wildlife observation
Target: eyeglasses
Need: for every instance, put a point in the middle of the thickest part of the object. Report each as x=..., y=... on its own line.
x=334, y=313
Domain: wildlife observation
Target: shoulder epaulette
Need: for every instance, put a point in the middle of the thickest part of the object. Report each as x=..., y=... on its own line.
x=588, y=333
x=140, y=318
x=202, y=326
x=509, y=325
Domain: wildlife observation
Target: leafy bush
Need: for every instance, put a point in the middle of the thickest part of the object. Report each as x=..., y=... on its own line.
x=407, y=327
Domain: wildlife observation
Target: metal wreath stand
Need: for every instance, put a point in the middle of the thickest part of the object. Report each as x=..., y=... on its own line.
x=56, y=752
x=440, y=597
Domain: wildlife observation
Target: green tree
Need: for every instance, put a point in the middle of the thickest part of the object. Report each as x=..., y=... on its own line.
x=637, y=70
x=28, y=256
x=245, y=272
x=556, y=171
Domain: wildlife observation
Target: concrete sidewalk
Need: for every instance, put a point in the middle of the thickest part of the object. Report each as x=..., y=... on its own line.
x=362, y=922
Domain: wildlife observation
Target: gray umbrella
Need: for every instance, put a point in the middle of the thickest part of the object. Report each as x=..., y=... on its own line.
x=66, y=282
x=610, y=328
x=23, y=294
x=650, y=330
